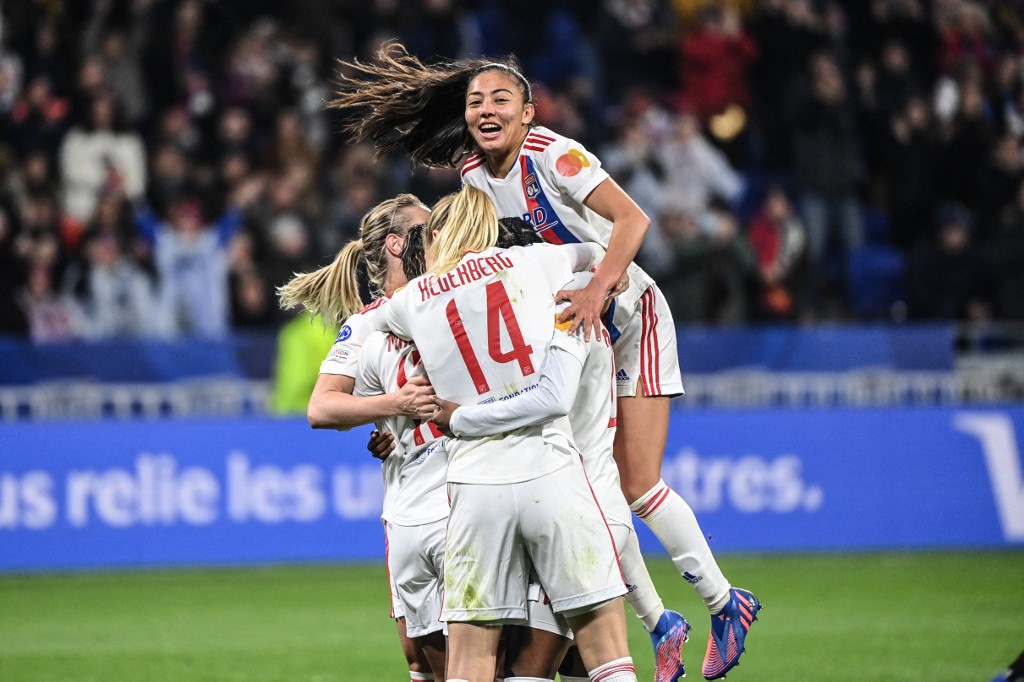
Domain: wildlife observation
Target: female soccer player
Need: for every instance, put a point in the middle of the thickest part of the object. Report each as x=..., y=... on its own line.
x=441, y=113
x=578, y=381
x=333, y=293
x=481, y=320
x=416, y=509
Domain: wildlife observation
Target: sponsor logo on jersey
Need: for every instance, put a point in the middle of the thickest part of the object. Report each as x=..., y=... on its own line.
x=539, y=211
x=622, y=375
x=343, y=335
x=572, y=162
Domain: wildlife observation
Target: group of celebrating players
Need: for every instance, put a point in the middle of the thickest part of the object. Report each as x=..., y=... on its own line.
x=519, y=371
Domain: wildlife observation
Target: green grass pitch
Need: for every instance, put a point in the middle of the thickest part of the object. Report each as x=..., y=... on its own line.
x=922, y=616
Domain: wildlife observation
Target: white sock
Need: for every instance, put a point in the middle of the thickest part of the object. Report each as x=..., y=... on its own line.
x=675, y=525
x=619, y=670
x=420, y=677
x=642, y=595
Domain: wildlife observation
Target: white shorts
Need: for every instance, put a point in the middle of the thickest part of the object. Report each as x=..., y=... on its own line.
x=645, y=350
x=495, y=532
x=396, y=606
x=416, y=565
x=539, y=615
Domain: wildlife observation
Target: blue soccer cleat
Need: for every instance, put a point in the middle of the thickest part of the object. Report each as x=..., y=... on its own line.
x=728, y=632
x=668, y=638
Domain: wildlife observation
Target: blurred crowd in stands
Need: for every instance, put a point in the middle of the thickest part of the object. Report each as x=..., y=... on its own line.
x=165, y=164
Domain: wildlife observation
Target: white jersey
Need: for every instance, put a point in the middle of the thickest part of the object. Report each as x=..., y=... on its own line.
x=482, y=330
x=343, y=358
x=546, y=187
x=414, y=481
x=592, y=417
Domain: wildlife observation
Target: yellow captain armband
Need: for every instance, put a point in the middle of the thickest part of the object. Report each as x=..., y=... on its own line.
x=562, y=326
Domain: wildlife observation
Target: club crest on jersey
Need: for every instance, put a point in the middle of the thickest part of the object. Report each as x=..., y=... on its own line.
x=531, y=186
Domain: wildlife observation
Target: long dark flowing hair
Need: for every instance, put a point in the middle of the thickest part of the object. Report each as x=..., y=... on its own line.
x=399, y=103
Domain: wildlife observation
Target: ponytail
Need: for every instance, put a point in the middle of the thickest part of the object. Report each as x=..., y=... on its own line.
x=332, y=292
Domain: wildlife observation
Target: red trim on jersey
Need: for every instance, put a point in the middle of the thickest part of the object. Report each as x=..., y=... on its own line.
x=533, y=149
x=534, y=133
x=376, y=303
x=472, y=162
x=548, y=235
x=612, y=422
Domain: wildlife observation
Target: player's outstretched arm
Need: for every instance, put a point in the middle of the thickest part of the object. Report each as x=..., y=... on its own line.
x=332, y=405
x=629, y=226
x=552, y=397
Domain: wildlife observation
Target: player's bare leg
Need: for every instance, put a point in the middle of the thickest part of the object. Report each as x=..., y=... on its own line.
x=601, y=640
x=415, y=657
x=639, y=448
x=434, y=648
x=640, y=438
x=538, y=654
x=472, y=651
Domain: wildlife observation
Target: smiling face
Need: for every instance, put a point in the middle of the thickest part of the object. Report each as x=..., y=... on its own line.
x=498, y=117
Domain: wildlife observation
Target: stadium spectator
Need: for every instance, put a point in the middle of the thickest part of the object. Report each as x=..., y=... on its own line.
x=39, y=119
x=646, y=53
x=947, y=276
x=633, y=160
x=907, y=154
x=714, y=264
x=13, y=317
x=716, y=56
x=828, y=169
x=117, y=42
x=696, y=172
x=101, y=155
x=1006, y=254
x=779, y=241
x=191, y=263
x=50, y=314
x=113, y=296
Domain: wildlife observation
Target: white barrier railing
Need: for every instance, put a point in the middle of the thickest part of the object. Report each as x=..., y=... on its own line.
x=89, y=400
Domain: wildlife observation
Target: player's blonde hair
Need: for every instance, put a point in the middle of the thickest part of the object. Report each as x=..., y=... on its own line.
x=466, y=221
x=333, y=291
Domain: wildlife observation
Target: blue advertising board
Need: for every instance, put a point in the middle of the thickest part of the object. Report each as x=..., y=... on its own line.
x=180, y=493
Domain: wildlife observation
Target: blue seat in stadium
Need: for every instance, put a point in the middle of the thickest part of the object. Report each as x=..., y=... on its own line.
x=875, y=280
